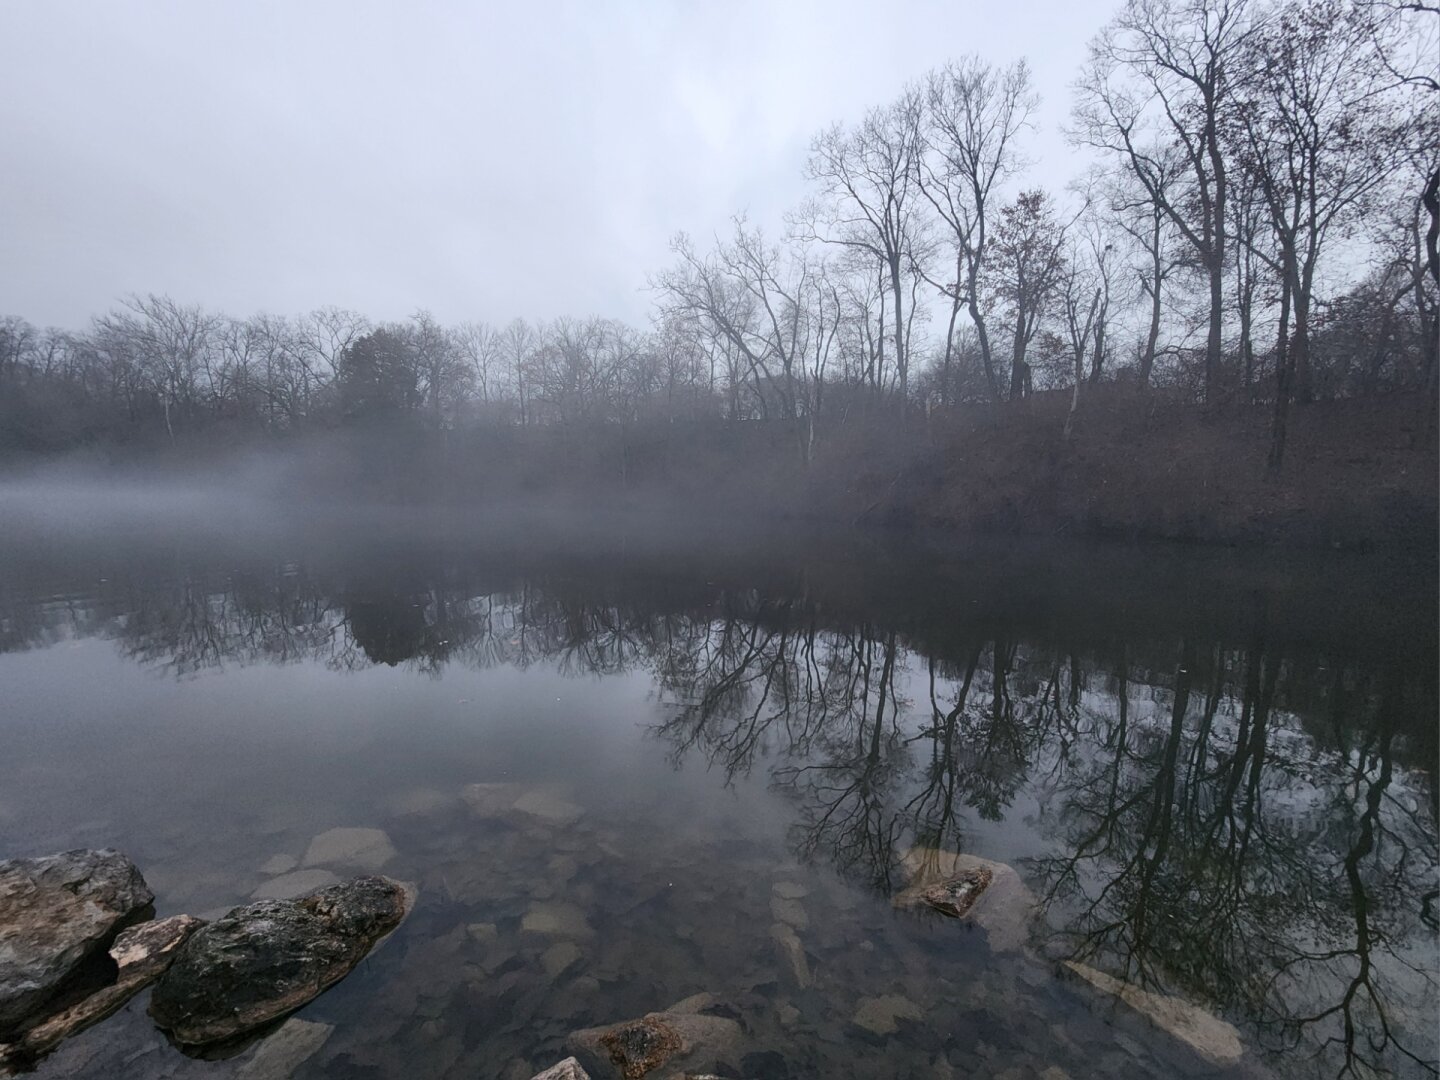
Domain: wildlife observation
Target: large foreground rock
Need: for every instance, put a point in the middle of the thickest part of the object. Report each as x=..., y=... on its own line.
x=694, y=1037
x=140, y=953
x=56, y=913
x=267, y=959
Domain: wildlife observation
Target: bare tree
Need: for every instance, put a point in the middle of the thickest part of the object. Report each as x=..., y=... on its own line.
x=974, y=113
x=1313, y=121
x=444, y=374
x=483, y=349
x=1160, y=77
x=1084, y=291
x=168, y=342
x=519, y=339
x=756, y=297
x=1026, y=263
x=1137, y=213
x=870, y=202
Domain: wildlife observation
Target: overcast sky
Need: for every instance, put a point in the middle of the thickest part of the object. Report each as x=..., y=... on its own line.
x=480, y=160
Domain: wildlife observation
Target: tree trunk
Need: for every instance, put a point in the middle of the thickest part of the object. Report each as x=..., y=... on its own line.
x=1075, y=395
x=1282, y=381
x=1147, y=358
x=1017, y=360
x=1300, y=349
x=945, y=378
x=1247, y=346
x=1097, y=358
x=1431, y=199
x=987, y=358
x=1214, y=339
x=901, y=360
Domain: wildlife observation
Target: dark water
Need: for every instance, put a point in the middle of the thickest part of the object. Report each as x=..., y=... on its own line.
x=1213, y=772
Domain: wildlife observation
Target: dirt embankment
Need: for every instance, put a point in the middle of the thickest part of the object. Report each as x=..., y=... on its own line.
x=1356, y=473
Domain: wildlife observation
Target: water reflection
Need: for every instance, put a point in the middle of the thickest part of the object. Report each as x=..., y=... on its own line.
x=1230, y=810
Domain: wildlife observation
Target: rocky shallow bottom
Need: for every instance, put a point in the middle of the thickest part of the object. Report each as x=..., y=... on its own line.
x=640, y=947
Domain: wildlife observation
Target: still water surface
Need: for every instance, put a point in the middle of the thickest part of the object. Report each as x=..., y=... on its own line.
x=1214, y=773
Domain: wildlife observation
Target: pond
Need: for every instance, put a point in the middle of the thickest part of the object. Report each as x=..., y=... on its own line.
x=625, y=766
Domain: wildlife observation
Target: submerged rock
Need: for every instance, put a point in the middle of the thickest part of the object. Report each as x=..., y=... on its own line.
x=789, y=911
x=267, y=959
x=56, y=913
x=569, y=1069
x=359, y=849
x=492, y=800
x=559, y=958
x=881, y=1015
x=549, y=807
x=279, y=864
x=421, y=802
x=543, y=804
x=141, y=954
x=1212, y=1038
x=289, y=886
x=280, y=1054
x=986, y=893
x=687, y=1039
x=556, y=918
x=792, y=953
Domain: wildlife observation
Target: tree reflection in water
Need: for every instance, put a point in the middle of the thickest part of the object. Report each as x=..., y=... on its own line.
x=1248, y=825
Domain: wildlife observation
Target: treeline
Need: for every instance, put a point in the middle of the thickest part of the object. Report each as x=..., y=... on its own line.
x=1260, y=227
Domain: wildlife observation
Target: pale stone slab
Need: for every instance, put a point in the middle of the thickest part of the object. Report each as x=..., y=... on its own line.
x=880, y=1015
x=792, y=953
x=277, y=1058
x=558, y=918
x=360, y=848
x=289, y=886
x=569, y=1069
x=279, y=864
x=1214, y=1039
x=791, y=912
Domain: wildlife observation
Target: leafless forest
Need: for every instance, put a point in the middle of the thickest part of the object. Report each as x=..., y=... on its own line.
x=1242, y=291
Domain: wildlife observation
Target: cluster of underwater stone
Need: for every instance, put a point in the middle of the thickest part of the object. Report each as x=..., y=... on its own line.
x=541, y=926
